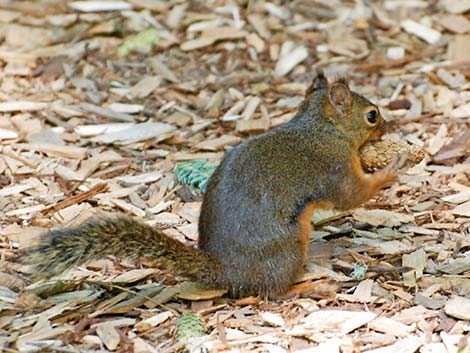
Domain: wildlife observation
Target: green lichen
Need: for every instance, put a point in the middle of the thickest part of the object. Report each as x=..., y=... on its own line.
x=195, y=173
x=359, y=272
x=142, y=42
x=190, y=325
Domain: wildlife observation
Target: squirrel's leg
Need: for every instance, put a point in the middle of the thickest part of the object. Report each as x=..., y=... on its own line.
x=305, y=222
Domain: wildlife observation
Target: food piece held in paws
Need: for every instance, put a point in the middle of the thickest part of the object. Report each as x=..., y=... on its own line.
x=378, y=154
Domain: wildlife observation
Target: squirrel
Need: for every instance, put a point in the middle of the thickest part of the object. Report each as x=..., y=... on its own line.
x=255, y=218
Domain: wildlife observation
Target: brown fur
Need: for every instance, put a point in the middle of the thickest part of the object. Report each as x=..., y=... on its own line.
x=255, y=216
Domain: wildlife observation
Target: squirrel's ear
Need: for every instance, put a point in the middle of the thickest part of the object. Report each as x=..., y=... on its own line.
x=339, y=94
x=318, y=82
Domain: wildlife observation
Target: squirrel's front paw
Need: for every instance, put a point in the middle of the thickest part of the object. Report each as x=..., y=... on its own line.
x=389, y=173
x=397, y=163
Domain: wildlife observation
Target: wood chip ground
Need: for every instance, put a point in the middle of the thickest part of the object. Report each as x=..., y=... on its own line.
x=100, y=99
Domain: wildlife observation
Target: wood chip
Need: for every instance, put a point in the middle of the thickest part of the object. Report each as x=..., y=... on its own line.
x=22, y=106
x=218, y=143
x=140, y=179
x=256, y=125
x=455, y=23
x=458, y=48
x=343, y=321
x=390, y=326
x=109, y=335
x=290, y=57
x=210, y=36
x=71, y=152
x=458, y=307
x=405, y=345
x=94, y=6
x=462, y=209
x=134, y=275
x=273, y=319
x=459, y=6
x=428, y=34
x=136, y=133
x=8, y=134
x=98, y=109
x=145, y=86
x=438, y=141
x=417, y=261
x=153, y=321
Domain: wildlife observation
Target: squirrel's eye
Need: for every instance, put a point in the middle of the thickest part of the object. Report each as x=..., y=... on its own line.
x=371, y=117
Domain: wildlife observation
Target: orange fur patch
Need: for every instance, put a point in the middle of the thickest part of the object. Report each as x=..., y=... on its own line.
x=305, y=220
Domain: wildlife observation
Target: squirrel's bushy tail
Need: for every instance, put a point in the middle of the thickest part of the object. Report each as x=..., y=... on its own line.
x=62, y=249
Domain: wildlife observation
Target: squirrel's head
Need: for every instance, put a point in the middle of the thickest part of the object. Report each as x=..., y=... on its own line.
x=352, y=114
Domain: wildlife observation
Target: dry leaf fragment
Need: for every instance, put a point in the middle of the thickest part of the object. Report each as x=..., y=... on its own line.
x=134, y=275
x=193, y=291
x=381, y=217
x=176, y=15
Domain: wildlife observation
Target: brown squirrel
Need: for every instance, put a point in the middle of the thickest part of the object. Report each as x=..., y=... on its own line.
x=255, y=218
